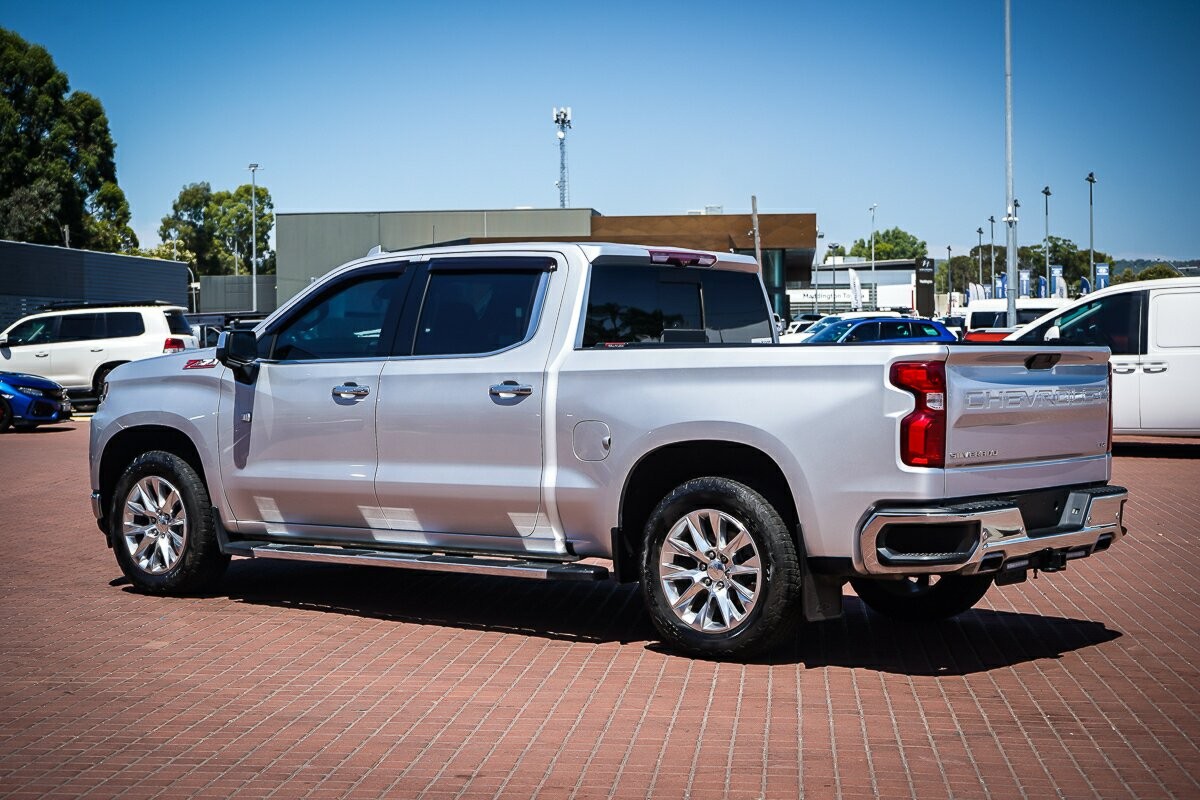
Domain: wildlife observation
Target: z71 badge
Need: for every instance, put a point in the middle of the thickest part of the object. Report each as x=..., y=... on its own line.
x=200, y=363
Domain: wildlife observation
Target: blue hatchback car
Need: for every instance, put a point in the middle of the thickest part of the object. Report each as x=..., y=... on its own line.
x=884, y=330
x=27, y=401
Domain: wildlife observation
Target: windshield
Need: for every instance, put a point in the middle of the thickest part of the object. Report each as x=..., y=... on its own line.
x=832, y=332
x=822, y=324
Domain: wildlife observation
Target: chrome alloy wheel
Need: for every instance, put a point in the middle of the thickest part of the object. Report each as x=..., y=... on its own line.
x=710, y=571
x=154, y=525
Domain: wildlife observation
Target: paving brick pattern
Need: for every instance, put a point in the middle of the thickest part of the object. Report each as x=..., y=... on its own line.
x=299, y=680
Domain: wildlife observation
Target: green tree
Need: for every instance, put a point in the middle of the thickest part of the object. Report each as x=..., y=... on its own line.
x=190, y=222
x=56, y=157
x=1158, y=272
x=892, y=243
x=215, y=226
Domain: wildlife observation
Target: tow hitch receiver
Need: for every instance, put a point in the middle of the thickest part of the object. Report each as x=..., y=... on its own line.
x=1017, y=570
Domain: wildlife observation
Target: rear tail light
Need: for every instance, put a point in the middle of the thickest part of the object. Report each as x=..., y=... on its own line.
x=923, y=432
x=173, y=345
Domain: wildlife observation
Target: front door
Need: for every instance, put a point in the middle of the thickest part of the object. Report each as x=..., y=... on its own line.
x=461, y=416
x=298, y=445
x=28, y=348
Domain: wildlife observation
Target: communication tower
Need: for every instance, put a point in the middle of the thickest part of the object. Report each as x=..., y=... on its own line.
x=562, y=120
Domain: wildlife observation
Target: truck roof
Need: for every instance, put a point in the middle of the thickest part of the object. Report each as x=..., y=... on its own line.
x=591, y=251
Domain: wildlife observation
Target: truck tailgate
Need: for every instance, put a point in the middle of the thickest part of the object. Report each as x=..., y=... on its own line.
x=1025, y=417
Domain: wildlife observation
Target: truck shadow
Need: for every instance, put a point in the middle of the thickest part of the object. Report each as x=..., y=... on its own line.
x=607, y=612
x=1159, y=449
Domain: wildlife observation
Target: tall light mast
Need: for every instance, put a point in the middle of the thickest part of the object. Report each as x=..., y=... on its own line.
x=562, y=120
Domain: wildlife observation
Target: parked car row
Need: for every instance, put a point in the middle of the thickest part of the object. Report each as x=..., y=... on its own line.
x=27, y=401
x=78, y=344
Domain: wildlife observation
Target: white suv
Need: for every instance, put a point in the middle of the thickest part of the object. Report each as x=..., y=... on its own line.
x=77, y=345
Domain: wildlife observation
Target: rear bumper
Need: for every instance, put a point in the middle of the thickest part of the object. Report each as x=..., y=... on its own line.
x=985, y=536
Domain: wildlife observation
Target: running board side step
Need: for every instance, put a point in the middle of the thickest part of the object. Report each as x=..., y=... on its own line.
x=538, y=570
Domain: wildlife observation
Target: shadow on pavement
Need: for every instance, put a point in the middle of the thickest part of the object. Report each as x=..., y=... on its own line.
x=1160, y=449
x=604, y=612
x=53, y=428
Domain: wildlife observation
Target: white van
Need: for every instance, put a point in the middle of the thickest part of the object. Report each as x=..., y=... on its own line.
x=994, y=313
x=1153, y=330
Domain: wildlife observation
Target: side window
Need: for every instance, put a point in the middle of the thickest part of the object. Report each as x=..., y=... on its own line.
x=469, y=312
x=867, y=332
x=345, y=322
x=639, y=304
x=895, y=330
x=80, y=327
x=120, y=324
x=1114, y=322
x=929, y=330
x=38, y=330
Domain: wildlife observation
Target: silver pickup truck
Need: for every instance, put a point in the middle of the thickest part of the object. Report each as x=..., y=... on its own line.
x=530, y=409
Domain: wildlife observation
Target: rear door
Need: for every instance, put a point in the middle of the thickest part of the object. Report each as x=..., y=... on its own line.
x=78, y=347
x=1170, y=369
x=461, y=414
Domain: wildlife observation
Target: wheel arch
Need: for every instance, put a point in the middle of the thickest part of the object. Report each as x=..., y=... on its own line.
x=128, y=444
x=660, y=470
x=103, y=370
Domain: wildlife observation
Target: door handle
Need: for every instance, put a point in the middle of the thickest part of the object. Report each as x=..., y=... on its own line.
x=97, y=349
x=1124, y=369
x=1154, y=367
x=40, y=355
x=510, y=389
x=351, y=390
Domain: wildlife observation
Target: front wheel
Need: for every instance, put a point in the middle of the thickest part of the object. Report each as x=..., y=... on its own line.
x=162, y=527
x=922, y=598
x=720, y=574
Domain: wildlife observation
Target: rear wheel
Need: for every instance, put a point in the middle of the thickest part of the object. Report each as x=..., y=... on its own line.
x=162, y=528
x=720, y=574
x=6, y=415
x=101, y=377
x=922, y=598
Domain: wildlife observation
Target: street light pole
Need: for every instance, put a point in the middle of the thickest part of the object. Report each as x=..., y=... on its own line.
x=253, y=238
x=949, y=284
x=815, y=267
x=992, y=220
x=1091, y=180
x=980, y=232
x=1046, y=241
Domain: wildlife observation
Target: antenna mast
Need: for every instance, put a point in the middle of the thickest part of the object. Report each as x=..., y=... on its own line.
x=562, y=120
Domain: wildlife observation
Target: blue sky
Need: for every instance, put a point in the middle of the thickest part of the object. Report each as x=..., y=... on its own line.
x=814, y=107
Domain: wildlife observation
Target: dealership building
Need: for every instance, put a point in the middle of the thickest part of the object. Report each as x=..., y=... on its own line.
x=309, y=245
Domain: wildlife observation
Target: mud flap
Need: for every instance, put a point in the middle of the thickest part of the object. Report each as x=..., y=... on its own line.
x=821, y=595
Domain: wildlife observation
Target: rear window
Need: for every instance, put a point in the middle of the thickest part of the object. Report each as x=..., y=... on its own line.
x=638, y=304
x=125, y=323
x=178, y=323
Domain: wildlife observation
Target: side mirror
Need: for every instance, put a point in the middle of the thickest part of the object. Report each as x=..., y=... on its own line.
x=1053, y=334
x=238, y=350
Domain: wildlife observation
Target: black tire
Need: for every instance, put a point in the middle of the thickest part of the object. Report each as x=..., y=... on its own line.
x=198, y=561
x=101, y=376
x=737, y=628
x=924, y=598
x=6, y=415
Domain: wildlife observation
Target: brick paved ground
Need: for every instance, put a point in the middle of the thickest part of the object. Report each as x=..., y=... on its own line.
x=312, y=680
